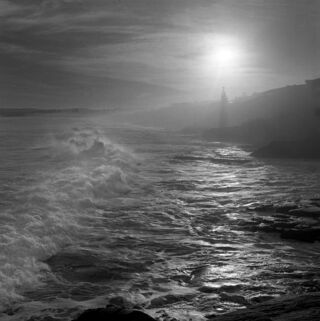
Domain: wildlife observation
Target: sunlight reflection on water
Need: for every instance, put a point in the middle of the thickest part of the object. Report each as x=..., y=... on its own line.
x=103, y=212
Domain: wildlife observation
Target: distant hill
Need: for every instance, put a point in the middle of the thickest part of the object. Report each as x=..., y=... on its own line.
x=24, y=112
x=286, y=112
x=287, y=100
x=305, y=145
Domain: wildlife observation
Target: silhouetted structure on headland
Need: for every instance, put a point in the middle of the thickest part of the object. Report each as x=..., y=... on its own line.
x=287, y=114
x=223, y=110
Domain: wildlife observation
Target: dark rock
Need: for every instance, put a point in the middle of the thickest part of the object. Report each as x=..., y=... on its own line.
x=117, y=309
x=292, y=308
x=305, y=235
x=309, y=148
x=111, y=314
x=313, y=211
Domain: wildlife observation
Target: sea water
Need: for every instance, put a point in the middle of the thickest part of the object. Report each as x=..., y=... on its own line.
x=91, y=210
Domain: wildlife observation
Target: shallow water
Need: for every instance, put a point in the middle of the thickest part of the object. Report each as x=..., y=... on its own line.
x=90, y=210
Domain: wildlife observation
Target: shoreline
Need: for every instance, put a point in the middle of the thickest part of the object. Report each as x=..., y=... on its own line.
x=286, y=308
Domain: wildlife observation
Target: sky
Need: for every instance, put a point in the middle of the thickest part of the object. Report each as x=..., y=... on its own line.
x=129, y=54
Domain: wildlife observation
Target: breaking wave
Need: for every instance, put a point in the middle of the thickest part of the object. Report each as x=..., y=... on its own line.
x=48, y=210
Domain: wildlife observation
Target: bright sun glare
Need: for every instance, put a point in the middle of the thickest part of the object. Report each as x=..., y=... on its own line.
x=222, y=54
x=226, y=56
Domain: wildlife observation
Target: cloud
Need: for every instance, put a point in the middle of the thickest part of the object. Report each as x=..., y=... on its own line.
x=8, y=8
x=59, y=43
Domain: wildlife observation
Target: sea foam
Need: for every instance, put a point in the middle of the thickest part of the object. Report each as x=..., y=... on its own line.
x=76, y=170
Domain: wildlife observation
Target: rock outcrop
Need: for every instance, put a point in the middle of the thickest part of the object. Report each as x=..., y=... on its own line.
x=292, y=308
x=117, y=309
x=107, y=314
x=306, y=149
x=288, y=308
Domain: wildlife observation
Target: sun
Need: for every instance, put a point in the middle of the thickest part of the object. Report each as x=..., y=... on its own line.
x=222, y=54
x=226, y=56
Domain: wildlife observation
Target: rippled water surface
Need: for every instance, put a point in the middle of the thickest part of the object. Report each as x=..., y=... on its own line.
x=89, y=211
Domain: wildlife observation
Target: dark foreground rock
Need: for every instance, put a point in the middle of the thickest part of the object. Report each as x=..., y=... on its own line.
x=307, y=235
x=306, y=149
x=105, y=314
x=118, y=309
x=290, y=308
x=294, y=308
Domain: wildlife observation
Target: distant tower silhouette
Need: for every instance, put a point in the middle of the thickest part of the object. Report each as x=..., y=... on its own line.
x=223, y=109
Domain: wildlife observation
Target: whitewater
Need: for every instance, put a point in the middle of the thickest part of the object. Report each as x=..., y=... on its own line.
x=91, y=210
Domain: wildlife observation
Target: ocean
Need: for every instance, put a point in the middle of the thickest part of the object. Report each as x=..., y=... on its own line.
x=91, y=210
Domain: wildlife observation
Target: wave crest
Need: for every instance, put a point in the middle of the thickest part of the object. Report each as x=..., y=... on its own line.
x=48, y=212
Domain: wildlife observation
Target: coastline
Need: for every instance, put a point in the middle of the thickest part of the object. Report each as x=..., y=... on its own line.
x=287, y=308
